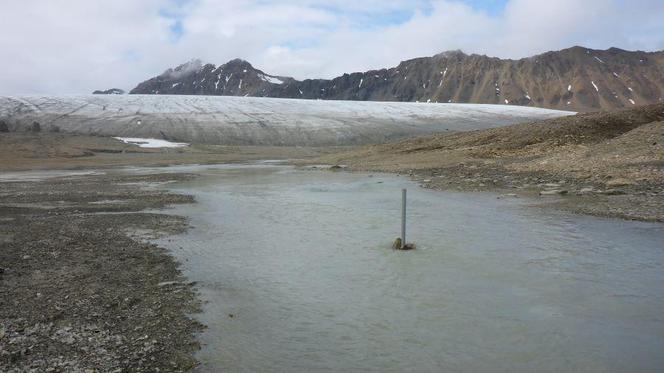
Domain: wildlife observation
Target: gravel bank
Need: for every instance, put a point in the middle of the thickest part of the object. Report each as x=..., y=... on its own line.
x=81, y=289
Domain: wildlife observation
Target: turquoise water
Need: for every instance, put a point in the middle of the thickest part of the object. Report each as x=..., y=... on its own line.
x=302, y=261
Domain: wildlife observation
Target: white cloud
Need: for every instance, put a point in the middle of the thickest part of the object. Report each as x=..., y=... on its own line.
x=75, y=46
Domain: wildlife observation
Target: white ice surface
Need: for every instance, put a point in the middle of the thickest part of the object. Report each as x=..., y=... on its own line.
x=231, y=120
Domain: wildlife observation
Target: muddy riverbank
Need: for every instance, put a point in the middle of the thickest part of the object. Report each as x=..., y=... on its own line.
x=81, y=289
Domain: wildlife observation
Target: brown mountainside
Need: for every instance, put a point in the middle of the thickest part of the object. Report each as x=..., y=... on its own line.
x=578, y=79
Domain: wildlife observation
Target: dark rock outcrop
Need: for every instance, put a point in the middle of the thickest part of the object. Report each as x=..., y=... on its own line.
x=577, y=78
x=3, y=126
x=112, y=91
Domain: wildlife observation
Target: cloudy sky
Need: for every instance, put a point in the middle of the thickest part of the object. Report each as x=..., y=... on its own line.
x=76, y=46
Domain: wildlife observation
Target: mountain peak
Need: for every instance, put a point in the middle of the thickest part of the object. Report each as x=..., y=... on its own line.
x=457, y=53
x=186, y=68
x=238, y=63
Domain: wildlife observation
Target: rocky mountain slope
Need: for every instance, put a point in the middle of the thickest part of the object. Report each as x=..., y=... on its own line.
x=578, y=79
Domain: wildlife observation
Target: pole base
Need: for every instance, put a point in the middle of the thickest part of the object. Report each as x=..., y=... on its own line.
x=399, y=245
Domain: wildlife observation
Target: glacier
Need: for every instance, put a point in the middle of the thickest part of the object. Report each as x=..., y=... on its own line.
x=228, y=120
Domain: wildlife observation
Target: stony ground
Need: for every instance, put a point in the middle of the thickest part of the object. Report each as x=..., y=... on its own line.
x=81, y=290
x=607, y=164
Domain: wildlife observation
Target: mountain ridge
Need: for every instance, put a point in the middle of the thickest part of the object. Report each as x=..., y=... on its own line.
x=576, y=78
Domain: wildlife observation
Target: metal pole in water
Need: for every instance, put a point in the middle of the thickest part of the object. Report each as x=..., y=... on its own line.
x=403, y=217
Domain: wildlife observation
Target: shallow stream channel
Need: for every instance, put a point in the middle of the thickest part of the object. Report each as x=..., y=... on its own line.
x=297, y=274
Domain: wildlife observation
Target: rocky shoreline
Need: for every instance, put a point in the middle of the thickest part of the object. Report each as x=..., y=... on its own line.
x=606, y=164
x=81, y=288
x=616, y=198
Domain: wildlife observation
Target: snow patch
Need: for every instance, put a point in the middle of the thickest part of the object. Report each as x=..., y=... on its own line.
x=598, y=59
x=632, y=101
x=528, y=97
x=507, y=101
x=616, y=75
x=361, y=81
x=630, y=89
x=240, y=86
x=271, y=79
x=569, y=88
x=175, y=85
x=594, y=85
x=151, y=143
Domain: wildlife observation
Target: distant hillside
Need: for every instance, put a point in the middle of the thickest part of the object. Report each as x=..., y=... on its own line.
x=577, y=78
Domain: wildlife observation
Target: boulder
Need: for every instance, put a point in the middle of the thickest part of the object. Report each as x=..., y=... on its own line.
x=35, y=127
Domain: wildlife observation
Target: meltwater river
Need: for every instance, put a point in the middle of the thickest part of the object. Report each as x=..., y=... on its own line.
x=302, y=261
